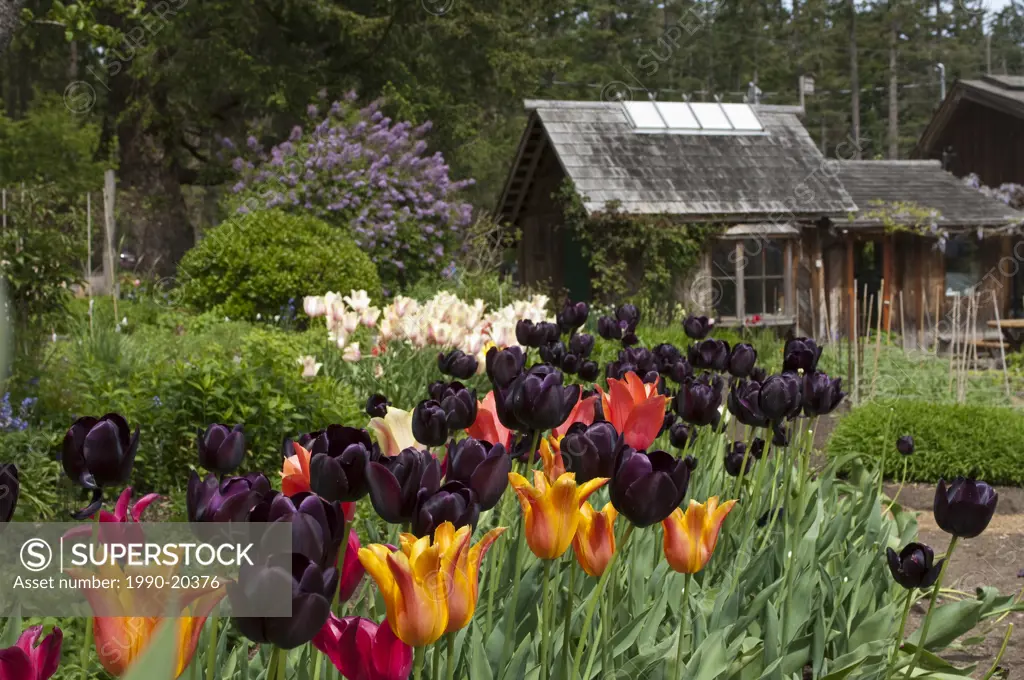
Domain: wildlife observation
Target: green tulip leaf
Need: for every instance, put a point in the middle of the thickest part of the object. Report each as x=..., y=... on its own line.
x=949, y=622
x=160, y=657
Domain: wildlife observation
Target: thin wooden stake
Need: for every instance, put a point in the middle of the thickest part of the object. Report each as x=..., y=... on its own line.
x=4, y=192
x=903, y=330
x=878, y=338
x=952, y=342
x=924, y=320
x=853, y=353
x=888, y=321
x=88, y=231
x=1002, y=350
x=110, y=276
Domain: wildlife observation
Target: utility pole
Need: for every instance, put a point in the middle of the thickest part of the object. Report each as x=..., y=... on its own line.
x=854, y=81
x=894, y=102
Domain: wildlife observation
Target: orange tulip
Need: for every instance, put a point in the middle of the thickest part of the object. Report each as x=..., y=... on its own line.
x=461, y=564
x=487, y=426
x=690, y=536
x=582, y=412
x=551, y=510
x=635, y=409
x=295, y=472
x=551, y=455
x=412, y=583
x=594, y=542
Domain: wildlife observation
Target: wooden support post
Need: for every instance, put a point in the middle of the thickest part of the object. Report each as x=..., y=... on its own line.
x=903, y=330
x=1002, y=350
x=109, y=261
x=878, y=337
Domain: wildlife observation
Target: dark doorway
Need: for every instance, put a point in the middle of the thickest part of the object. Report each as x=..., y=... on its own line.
x=867, y=269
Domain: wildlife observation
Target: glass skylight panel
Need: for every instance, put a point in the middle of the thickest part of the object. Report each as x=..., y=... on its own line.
x=711, y=116
x=742, y=117
x=644, y=115
x=678, y=115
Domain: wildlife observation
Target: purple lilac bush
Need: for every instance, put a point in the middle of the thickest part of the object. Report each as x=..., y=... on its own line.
x=357, y=168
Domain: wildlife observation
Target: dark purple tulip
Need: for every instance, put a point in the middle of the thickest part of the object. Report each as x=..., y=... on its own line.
x=780, y=437
x=647, y=487
x=480, y=466
x=429, y=423
x=710, y=354
x=457, y=364
x=735, y=454
x=905, y=445
x=589, y=370
x=698, y=327
x=317, y=525
x=312, y=586
x=553, y=353
x=914, y=566
x=337, y=465
x=539, y=400
x=305, y=440
x=629, y=338
x=965, y=508
x=454, y=502
x=581, y=344
x=436, y=390
x=221, y=450
x=395, y=483
x=681, y=434
x=801, y=354
x=644, y=359
x=609, y=329
x=629, y=315
x=698, y=400
x=376, y=407
x=781, y=396
x=504, y=365
x=10, y=488
x=744, y=402
x=758, y=374
x=572, y=316
x=619, y=369
x=679, y=371
x=666, y=354
x=571, y=364
x=821, y=393
x=227, y=500
x=667, y=423
x=742, y=360
x=459, y=404
x=99, y=452
x=589, y=451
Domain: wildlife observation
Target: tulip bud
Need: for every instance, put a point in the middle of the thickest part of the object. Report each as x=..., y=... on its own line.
x=429, y=425
x=504, y=365
x=581, y=344
x=914, y=566
x=376, y=406
x=454, y=502
x=905, y=445
x=680, y=434
x=780, y=396
x=99, y=452
x=570, y=364
x=628, y=314
x=221, y=450
x=667, y=423
x=821, y=394
x=965, y=508
x=710, y=354
x=735, y=454
x=800, y=354
x=758, y=374
x=30, y=659
x=481, y=467
x=457, y=364
x=553, y=352
x=529, y=334
x=589, y=370
x=698, y=400
x=360, y=648
x=697, y=327
x=572, y=316
x=742, y=360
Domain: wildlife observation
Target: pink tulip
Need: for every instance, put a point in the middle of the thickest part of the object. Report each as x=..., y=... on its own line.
x=363, y=650
x=352, y=571
x=124, y=512
x=28, y=661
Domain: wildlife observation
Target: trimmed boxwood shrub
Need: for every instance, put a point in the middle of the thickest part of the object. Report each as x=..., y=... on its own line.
x=950, y=439
x=262, y=262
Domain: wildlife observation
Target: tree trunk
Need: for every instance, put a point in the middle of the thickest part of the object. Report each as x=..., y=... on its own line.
x=894, y=102
x=9, y=21
x=854, y=82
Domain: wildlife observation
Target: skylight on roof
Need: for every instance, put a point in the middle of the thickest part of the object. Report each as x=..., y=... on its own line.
x=708, y=118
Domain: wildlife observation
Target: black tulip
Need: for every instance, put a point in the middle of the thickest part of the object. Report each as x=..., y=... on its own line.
x=914, y=566
x=744, y=402
x=539, y=400
x=609, y=329
x=97, y=453
x=629, y=338
x=480, y=466
x=780, y=396
x=647, y=487
x=758, y=374
x=226, y=500
x=571, y=364
x=395, y=483
x=666, y=354
x=734, y=456
x=454, y=502
x=710, y=354
x=553, y=352
x=504, y=365
x=629, y=315
x=905, y=445
x=457, y=364
x=376, y=407
x=801, y=354
x=317, y=525
x=742, y=360
x=667, y=423
x=821, y=394
x=581, y=344
x=589, y=450
x=337, y=465
x=572, y=316
x=679, y=371
x=10, y=488
x=305, y=440
x=965, y=508
x=680, y=435
x=429, y=423
x=698, y=327
x=698, y=400
x=459, y=405
x=780, y=437
x=221, y=449
x=589, y=371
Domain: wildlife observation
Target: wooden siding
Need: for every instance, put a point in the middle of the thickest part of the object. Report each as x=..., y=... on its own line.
x=983, y=141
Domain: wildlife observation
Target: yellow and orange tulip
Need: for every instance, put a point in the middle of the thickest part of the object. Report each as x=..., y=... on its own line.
x=691, y=536
x=635, y=409
x=551, y=510
x=594, y=543
x=551, y=456
x=295, y=471
x=461, y=563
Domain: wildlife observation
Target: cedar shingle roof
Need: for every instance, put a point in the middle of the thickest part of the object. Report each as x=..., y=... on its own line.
x=697, y=176
x=872, y=184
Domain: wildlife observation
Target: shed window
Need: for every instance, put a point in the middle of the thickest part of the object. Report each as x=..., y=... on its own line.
x=963, y=264
x=750, y=277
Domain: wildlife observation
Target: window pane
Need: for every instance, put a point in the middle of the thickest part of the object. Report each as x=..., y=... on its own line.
x=753, y=257
x=774, y=257
x=753, y=296
x=723, y=259
x=963, y=266
x=724, y=296
x=775, y=296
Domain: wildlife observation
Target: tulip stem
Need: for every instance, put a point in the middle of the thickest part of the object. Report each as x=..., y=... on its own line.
x=435, y=661
x=923, y=640
x=545, y=633
x=419, y=653
x=340, y=565
x=899, y=636
x=450, y=660
x=211, y=645
x=83, y=657
x=318, y=661
x=567, y=629
x=684, y=618
x=595, y=596
x=510, y=610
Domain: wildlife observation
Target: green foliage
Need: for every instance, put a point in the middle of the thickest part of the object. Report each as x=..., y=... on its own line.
x=33, y=451
x=262, y=262
x=634, y=254
x=950, y=439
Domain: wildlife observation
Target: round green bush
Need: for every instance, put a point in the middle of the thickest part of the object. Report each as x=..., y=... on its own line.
x=257, y=263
